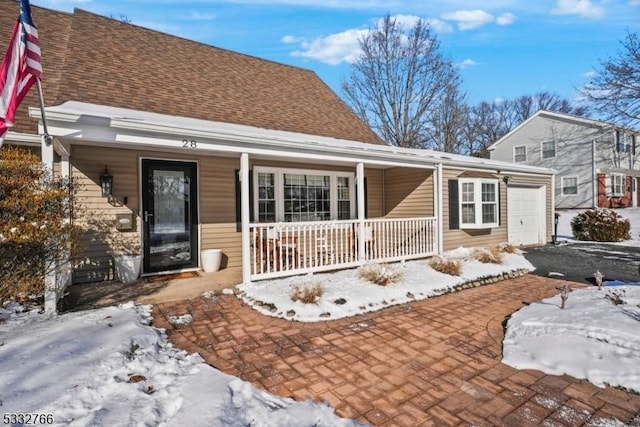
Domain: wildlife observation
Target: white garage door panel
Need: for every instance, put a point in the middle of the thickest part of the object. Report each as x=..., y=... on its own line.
x=524, y=215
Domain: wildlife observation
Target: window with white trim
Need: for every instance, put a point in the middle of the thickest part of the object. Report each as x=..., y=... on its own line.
x=520, y=153
x=478, y=202
x=548, y=149
x=569, y=185
x=617, y=184
x=293, y=195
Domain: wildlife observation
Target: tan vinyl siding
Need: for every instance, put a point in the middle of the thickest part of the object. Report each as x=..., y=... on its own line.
x=217, y=202
x=218, y=208
x=408, y=192
x=97, y=215
x=471, y=238
x=492, y=236
x=375, y=193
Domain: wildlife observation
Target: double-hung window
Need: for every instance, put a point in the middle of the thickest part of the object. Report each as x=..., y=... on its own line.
x=569, y=185
x=548, y=149
x=478, y=202
x=617, y=184
x=294, y=195
x=520, y=153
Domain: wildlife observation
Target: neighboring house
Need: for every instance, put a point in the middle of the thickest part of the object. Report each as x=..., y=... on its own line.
x=597, y=164
x=211, y=149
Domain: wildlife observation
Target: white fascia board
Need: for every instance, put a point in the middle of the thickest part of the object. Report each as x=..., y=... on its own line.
x=224, y=137
x=22, y=138
x=104, y=124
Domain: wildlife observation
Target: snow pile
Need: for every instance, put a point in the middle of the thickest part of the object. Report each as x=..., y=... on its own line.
x=108, y=367
x=592, y=338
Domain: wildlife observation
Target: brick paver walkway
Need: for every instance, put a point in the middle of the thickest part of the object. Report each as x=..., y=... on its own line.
x=432, y=362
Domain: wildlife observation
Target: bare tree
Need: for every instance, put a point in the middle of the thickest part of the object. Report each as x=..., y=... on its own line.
x=449, y=122
x=615, y=89
x=399, y=82
x=525, y=106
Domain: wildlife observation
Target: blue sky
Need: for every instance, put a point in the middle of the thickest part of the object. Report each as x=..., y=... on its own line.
x=504, y=48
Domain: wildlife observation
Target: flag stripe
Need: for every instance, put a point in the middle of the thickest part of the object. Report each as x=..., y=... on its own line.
x=21, y=67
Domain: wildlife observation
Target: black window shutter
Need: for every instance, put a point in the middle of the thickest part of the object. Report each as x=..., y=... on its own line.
x=239, y=198
x=454, y=209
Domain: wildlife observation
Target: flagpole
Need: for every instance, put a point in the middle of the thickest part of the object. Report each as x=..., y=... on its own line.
x=47, y=137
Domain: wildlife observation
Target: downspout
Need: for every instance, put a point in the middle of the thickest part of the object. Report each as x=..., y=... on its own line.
x=594, y=177
x=439, y=203
x=244, y=217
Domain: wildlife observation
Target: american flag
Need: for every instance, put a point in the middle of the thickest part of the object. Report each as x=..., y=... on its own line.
x=20, y=68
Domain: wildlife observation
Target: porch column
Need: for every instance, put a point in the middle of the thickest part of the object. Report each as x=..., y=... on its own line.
x=438, y=203
x=245, y=218
x=50, y=288
x=360, y=189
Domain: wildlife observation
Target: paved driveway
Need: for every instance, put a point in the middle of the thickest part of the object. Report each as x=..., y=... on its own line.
x=432, y=362
x=578, y=262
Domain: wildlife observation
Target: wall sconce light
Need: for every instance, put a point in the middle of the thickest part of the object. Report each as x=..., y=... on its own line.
x=506, y=179
x=106, y=183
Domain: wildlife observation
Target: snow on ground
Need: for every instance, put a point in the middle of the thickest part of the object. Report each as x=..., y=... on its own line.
x=109, y=367
x=592, y=338
x=632, y=214
x=346, y=294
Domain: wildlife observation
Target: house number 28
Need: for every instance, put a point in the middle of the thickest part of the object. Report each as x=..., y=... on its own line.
x=189, y=143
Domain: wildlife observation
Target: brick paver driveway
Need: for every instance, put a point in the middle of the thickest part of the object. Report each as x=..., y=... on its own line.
x=432, y=362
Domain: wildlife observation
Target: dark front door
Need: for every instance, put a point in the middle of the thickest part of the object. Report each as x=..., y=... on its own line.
x=170, y=215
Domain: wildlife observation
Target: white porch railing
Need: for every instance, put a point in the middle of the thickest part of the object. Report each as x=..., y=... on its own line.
x=288, y=248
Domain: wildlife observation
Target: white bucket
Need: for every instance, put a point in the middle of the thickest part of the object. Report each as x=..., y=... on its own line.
x=211, y=260
x=128, y=268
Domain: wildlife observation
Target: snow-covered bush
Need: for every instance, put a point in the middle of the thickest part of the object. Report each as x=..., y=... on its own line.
x=600, y=225
x=34, y=230
x=380, y=274
x=307, y=294
x=490, y=255
x=448, y=266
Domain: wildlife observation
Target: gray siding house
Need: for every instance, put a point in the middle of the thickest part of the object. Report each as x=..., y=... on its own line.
x=597, y=164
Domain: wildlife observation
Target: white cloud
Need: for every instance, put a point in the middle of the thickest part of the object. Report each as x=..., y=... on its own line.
x=506, y=19
x=634, y=3
x=466, y=64
x=407, y=21
x=589, y=74
x=469, y=19
x=440, y=26
x=333, y=49
x=582, y=8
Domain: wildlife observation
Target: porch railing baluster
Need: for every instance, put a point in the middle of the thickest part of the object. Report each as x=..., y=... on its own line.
x=283, y=249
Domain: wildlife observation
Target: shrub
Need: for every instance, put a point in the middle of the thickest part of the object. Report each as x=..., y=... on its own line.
x=600, y=225
x=488, y=255
x=448, y=266
x=508, y=248
x=34, y=227
x=307, y=294
x=380, y=274
x=616, y=296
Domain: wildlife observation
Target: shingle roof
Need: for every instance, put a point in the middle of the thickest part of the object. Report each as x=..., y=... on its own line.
x=98, y=60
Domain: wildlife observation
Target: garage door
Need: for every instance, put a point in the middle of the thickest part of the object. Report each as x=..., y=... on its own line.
x=525, y=215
